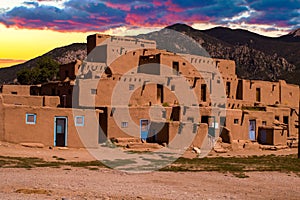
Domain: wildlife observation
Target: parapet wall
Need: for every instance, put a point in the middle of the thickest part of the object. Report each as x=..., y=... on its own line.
x=16, y=89
x=39, y=101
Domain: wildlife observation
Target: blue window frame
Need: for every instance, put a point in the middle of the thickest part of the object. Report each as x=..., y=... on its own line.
x=79, y=120
x=30, y=118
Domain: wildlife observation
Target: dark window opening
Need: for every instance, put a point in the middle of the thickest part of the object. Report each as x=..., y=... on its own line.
x=203, y=92
x=66, y=73
x=204, y=119
x=93, y=91
x=175, y=67
x=223, y=121
x=239, y=90
x=286, y=119
x=277, y=117
x=258, y=95
x=228, y=89
x=160, y=93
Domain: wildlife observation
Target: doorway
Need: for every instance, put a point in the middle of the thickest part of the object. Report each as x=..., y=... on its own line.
x=60, y=131
x=160, y=94
x=102, y=137
x=144, y=128
x=252, y=129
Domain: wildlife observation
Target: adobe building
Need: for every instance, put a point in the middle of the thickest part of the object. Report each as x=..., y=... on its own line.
x=134, y=90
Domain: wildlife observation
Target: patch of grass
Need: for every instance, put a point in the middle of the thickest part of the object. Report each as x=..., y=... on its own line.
x=118, y=162
x=93, y=168
x=238, y=166
x=58, y=158
x=27, y=162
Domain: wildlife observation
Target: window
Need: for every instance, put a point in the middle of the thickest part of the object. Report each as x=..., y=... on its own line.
x=175, y=67
x=93, y=91
x=286, y=119
x=172, y=87
x=203, y=92
x=223, y=121
x=164, y=114
x=264, y=123
x=258, y=95
x=236, y=121
x=277, y=117
x=79, y=120
x=195, y=126
x=228, y=89
x=30, y=118
x=14, y=92
x=124, y=124
x=131, y=87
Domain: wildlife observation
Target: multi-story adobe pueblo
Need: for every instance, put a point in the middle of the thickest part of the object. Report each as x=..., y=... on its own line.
x=127, y=88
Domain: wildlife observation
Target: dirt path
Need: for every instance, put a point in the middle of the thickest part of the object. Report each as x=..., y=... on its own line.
x=79, y=183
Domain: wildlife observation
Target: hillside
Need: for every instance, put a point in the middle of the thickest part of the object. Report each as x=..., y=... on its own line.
x=63, y=55
x=285, y=49
x=256, y=56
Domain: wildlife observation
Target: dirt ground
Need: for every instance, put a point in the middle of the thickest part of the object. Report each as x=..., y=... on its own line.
x=80, y=183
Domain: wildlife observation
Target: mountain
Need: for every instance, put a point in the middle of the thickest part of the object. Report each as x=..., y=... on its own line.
x=256, y=56
x=293, y=36
x=63, y=55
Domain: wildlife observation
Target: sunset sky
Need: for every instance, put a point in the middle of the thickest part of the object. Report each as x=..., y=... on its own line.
x=30, y=28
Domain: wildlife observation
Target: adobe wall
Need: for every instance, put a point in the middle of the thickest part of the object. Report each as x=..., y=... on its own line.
x=115, y=129
x=235, y=129
x=63, y=90
x=237, y=121
x=17, y=131
x=105, y=86
x=116, y=45
x=22, y=100
x=200, y=136
x=269, y=91
x=289, y=94
x=69, y=70
x=226, y=67
x=51, y=101
x=94, y=40
x=280, y=113
x=23, y=90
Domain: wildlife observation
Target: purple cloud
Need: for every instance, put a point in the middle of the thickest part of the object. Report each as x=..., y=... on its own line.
x=95, y=15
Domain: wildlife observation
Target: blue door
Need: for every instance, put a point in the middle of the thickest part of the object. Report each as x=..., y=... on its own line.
x=252, y=129
x=144, y=127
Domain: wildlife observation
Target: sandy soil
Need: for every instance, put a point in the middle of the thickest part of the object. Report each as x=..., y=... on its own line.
x=80, y=183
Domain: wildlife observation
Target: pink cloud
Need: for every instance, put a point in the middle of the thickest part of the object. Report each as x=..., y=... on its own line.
x=124, y=7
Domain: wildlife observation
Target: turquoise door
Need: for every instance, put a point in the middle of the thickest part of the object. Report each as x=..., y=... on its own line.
x=252, y=129
x=144, y=128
